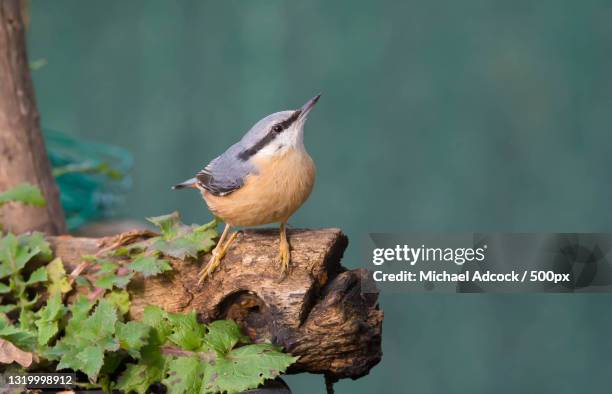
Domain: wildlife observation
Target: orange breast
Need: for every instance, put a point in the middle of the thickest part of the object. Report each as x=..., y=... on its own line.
x=280, y=187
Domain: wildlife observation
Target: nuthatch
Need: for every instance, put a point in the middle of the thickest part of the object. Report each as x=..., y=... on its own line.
x=263, y=178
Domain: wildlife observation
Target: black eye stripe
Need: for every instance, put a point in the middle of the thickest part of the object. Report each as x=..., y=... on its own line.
x=289, y=121
x=247, y=153
x=269, y=137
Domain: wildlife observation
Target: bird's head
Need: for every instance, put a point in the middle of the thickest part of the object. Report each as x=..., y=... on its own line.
x=277, y=133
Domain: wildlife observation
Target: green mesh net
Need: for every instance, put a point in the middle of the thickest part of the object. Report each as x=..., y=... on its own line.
x=92, y=177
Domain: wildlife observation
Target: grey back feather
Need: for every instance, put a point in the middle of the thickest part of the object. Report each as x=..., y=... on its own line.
x=227, y=172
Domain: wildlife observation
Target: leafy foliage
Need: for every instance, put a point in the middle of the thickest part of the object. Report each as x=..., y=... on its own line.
x=58, y=280
x=182, y=241
x=245, y=367
x=24, y=193
x=86, y=341
x=48, y=318
x=197, y=358
x=92, y=334
x=121, y=299
x=184, y=375
x=21, y=338
x=176, y=240
x=149, y=265
x=90, y=338
x=132, y=336
x=18, y=295
x=108, y=276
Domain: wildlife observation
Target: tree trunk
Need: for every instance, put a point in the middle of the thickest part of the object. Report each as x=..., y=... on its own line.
x=317, y=312
x=23, y=157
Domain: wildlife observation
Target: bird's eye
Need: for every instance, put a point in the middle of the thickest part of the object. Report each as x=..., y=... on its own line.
x=277, y=128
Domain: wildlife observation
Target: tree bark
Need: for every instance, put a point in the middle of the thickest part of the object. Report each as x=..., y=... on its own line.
x=23, y=157
x=317, y=312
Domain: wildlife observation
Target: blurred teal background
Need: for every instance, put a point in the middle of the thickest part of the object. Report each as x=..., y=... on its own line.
x=436, y=116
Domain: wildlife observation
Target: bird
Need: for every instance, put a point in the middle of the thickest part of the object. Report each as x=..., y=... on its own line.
x=264, y=178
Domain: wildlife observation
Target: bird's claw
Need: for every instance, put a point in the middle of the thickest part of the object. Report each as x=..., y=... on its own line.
x=212, y=265
x=215, y=259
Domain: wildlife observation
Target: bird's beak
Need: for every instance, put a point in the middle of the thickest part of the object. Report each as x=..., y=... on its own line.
x=308, y=106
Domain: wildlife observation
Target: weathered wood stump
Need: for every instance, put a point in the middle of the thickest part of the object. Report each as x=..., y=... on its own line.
x=317, y=311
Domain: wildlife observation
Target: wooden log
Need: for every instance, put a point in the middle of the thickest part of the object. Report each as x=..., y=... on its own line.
x=22, y=150
x=317, y=311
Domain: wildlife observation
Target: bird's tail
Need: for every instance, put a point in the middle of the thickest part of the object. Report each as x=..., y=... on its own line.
x=188, y=184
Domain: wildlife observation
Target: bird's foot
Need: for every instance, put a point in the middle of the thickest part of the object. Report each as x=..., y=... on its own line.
x=215, y=260
x=284, y=255
x=212, y=265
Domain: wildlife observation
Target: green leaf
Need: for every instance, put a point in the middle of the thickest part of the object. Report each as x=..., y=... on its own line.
x=80, y=308
x=91, y=360
x=184, y=375
x=26, y=316
x=102, y=321
x=40, y=275
x=23, y=339
x=212, y=225
x=14, y=254
x=58, y=280
x=87, y=338
x=181, y=241
x=186, y=331
x=92, y=258
x=138, y=377
x=132, y=336
x=135, y=378
x=121, y=299
x=203, y=236
x=223, y=335
x=149, y=265
x=7, y=308
x=156, y=318
x=179, y=248
x=112, y=280
x=37, y=240
x=189, y=368
x=152, y=364
x=48, y=317
x=189, y=245
x=107, y=267
x=245, y=367
x=82, y=281
x=4, y=288
x=128, y=250
x=168, y=224
x=79, y=311
x=24, y=193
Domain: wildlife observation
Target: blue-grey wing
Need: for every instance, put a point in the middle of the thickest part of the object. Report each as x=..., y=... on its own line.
x=225, y=174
